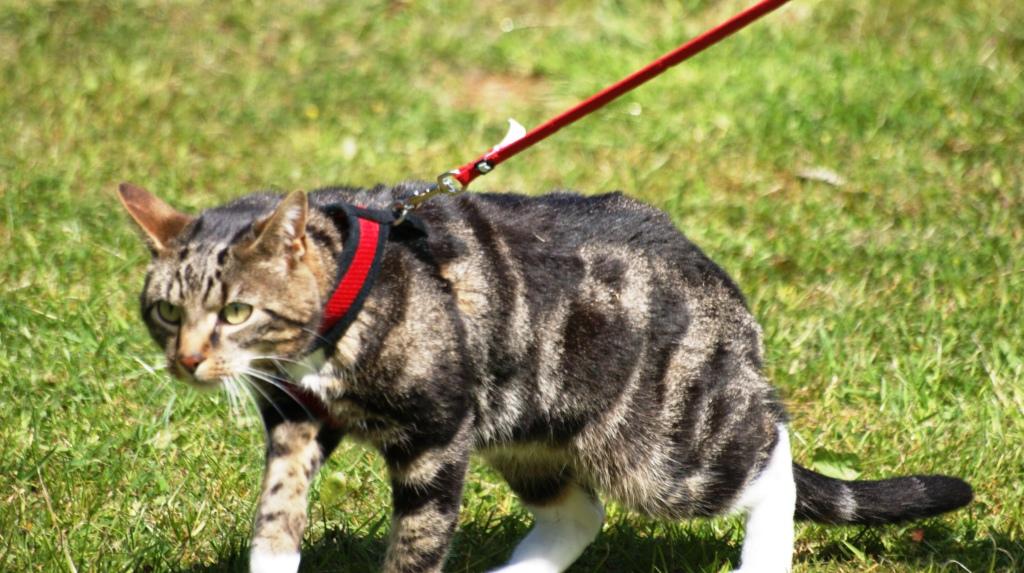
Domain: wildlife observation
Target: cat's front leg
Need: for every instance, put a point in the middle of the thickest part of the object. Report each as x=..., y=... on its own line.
x=293, y=456
x=426, y=493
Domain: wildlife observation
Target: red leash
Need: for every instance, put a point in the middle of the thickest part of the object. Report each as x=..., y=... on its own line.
x=369, y=230
x=457, y=179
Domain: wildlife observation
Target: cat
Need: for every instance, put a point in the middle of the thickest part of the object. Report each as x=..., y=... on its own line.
x=581, y=345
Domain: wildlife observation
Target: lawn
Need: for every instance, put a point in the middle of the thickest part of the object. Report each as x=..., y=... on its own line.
x=891, y=303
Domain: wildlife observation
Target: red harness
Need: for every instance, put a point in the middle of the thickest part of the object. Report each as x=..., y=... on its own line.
x=353, y=282
x=367, y=233
x=357, y=269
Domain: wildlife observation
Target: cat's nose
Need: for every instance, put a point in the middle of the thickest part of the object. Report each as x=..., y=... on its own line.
x=191, y=361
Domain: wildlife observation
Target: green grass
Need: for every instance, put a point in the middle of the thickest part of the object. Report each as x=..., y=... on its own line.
x=891, y=305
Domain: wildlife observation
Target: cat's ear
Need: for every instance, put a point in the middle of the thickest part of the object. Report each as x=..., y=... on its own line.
x=284, y=231
x=158, y=221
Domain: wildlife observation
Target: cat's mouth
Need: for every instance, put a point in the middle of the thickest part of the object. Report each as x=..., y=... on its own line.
x=198, y=379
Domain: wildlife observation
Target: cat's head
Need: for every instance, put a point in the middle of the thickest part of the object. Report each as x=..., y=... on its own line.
x=230, y=290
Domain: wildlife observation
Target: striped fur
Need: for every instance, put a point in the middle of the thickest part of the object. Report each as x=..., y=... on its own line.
x=580, y=344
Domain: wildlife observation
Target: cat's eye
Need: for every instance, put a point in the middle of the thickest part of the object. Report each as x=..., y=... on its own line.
x=236, y=312
x=168, y=312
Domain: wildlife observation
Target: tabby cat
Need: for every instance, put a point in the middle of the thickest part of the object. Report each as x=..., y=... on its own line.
x=581, y=346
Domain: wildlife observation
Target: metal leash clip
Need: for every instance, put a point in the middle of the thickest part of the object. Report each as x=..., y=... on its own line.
x=447, y=184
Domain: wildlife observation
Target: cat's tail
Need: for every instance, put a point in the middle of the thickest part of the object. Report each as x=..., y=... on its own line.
x=827, y=500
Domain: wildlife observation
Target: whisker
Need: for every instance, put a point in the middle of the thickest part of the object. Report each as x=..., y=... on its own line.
x=280, y=384
x=282, y=375
x=271, y=376
x=279, y=358
x=316, y=334
x=251, y=385
x=240, y=396
x=226, y=384
x=233, y=398
x=281, y=368
x=245, y=384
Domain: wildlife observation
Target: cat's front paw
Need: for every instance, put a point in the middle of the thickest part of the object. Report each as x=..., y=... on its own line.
x=264, y=562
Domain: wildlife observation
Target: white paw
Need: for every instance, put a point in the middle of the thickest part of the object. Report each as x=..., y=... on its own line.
x=531, y=566
x=263, y=562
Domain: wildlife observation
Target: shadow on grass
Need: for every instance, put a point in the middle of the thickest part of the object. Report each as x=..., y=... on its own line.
x=483, y=544
x=929, y=546
x=625, y=546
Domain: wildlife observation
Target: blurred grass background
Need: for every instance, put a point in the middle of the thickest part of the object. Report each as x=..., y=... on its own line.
x=891, y=304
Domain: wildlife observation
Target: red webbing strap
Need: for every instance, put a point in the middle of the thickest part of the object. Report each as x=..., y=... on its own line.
x=493, y=158
x=356, y=268
x=354, y=278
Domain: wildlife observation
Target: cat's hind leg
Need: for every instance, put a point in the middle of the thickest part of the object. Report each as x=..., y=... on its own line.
x=770, y=502
x=564, y=525
x=426, y=491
